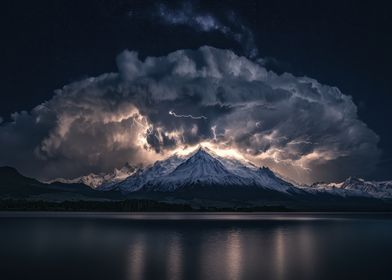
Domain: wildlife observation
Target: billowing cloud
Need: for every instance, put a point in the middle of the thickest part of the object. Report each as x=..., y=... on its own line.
x=303, y=129
x=231, y=25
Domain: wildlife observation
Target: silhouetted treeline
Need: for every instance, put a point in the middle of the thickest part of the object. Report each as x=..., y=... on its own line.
x=114, y=206
x=120, y=206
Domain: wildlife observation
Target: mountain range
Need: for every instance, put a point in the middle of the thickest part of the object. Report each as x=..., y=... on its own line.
x=103, y=179
x=202, y=178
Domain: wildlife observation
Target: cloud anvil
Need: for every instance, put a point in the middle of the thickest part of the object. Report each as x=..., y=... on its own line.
x=297, y=126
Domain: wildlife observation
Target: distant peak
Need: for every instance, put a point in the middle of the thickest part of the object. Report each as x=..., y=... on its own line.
x=351, y=180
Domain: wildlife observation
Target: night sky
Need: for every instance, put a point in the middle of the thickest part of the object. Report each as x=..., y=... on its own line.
x=48, y=44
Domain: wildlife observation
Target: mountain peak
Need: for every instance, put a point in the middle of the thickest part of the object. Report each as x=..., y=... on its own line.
x=202, y=151
x=202, y=168
x=353, y=180
x=202, y=156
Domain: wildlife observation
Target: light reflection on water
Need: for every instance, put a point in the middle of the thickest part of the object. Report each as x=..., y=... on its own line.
x=175, y=258
x=136, y=254
x=233, y=255
x=204, y=246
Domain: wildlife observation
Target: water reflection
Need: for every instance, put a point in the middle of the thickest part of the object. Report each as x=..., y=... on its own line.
x=307, y=248
x=220, y=255
x=222, y=252
x=280, y=254
x=137, y=260
x=174, y=258
x=233, y=255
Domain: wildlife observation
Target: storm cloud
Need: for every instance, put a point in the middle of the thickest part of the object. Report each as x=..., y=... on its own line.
x=300, y=128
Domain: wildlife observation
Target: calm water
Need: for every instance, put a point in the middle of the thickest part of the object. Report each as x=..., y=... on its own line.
x=195, y=246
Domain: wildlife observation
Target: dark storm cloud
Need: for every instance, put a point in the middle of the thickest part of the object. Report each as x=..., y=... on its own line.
x=299, y=127
x=230, y=25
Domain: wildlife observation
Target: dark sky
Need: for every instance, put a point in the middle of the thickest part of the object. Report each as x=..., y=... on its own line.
x=47, y=44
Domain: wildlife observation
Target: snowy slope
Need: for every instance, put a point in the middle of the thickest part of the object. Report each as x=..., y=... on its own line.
x=101, y=180
x=355, y=187
x=205, y=168
x=144, y=176
x=201, y=168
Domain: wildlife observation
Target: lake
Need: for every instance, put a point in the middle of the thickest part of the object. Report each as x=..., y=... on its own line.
x=195, y=246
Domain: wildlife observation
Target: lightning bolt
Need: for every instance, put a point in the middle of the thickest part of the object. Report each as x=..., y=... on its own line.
x=187, y=116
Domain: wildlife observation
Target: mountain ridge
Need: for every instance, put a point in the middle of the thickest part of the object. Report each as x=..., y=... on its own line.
x=205, y=178
x=102, y=179
x=14, y=185
x=200, y=168
x=356, y=186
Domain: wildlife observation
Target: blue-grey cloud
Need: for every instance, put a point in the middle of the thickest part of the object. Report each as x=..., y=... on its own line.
x=297, y=126
x=231, y=25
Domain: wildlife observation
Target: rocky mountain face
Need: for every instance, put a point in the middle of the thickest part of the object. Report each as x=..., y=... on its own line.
x=202, y=178
x=101, y=180
x=202, y=168
x=355, y=187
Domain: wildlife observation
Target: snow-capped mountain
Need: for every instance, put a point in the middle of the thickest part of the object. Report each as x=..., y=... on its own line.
x=204, y=168
x=143, y=176
x=103, y=179
x=355, y=187
x=201, y=168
